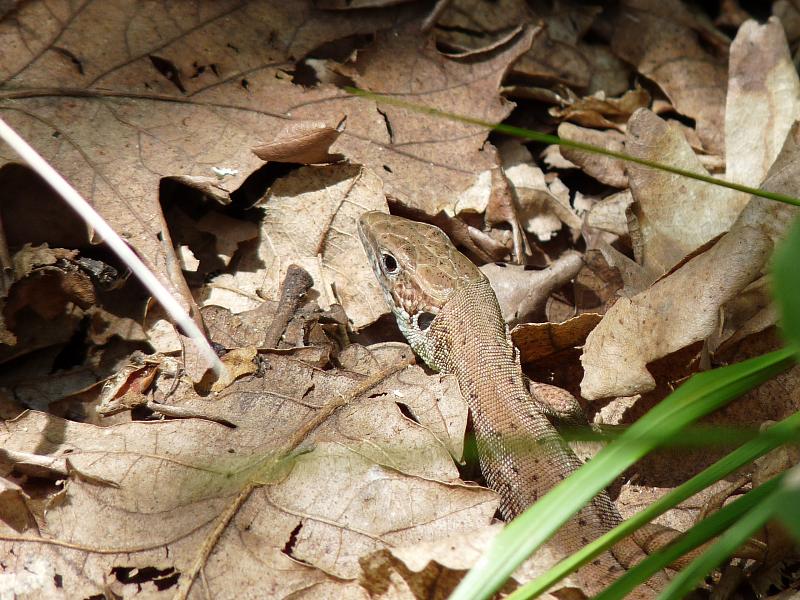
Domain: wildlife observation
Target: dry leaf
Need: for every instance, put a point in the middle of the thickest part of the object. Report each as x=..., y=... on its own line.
x=674, y=312
x=522, y=292
x=310, y=219
x=539, y=340
x=606, y=170
x=675, y=215
x=610, y=213
x=654, y=35
x=303, y=142
x=763, y=100
x=543, y=207
x=599, y=111
x=427, y=162
x=325, y=508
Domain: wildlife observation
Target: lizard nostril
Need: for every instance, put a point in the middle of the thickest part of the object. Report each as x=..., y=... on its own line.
x=424, y=320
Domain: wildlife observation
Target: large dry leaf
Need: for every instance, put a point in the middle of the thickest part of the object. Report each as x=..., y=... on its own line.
x=116, y=112
x=427, y=162
x=147, y=495
x=762, y=103
x=673, y=313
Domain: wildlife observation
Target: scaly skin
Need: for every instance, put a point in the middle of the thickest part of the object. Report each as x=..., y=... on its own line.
x=449, y=314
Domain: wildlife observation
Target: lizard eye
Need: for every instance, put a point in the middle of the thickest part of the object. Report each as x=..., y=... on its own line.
x=389, y=264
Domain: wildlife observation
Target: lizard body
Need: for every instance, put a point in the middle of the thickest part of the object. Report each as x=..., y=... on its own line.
x=449, y=314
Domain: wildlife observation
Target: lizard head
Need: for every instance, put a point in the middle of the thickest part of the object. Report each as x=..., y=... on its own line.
x=417, y=266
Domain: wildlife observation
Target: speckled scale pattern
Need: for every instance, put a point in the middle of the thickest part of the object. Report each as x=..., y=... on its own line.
x=522, y=456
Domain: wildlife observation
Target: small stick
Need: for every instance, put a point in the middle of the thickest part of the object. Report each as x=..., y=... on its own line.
x=294, y=287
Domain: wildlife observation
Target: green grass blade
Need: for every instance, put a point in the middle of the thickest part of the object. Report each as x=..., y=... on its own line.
x=787, y=504
x=782, y=432
x=728, y=516
x=536, y=136
x=785, y=284
x=699, y=396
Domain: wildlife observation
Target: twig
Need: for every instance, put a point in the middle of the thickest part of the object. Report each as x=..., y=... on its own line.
x=295, y=285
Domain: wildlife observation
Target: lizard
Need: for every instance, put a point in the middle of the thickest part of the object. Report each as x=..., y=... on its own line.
x=449, y=314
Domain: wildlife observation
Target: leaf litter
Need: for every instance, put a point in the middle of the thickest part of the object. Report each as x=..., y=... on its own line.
x=217, y=139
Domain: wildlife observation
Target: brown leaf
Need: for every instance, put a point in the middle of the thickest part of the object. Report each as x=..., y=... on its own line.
x=763, y=100
x=238, y=363
x=470, y=25
x=310, y=219
x=609, y=214
x=543, y=207
x=599, y=111
x=673, y=313
x=655, y=36
x=770, y=217
x=303, y=142
x=427, y=162
x=539, y=340
x=522, y=292
x=606, y=170
x=675, y=215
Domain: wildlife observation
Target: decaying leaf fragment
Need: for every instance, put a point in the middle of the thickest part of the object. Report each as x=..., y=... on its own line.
x=544, y=207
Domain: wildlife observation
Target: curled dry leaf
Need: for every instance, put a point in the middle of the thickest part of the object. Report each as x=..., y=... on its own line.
x=302, y=142
x=606, y=170
x=238, y=363
x=540, y=340
x=543, y=207
x=523, y=292
x=674, y=312
x=433, y=569
x=15, y=511
x=470, y=26
x=599, y=111
x=610, y=213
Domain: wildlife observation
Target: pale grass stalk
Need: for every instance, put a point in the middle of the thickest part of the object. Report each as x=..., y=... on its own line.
x=114, y=241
